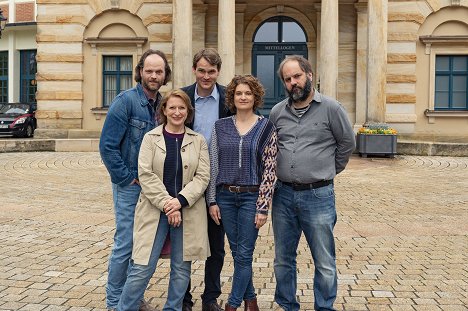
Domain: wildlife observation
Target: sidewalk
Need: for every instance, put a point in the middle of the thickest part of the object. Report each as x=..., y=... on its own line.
x=425, y=146
x=401, y=236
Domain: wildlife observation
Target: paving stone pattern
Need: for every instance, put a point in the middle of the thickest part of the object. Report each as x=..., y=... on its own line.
x=402, y=237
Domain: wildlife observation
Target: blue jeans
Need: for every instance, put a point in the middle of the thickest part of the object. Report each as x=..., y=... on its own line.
x=125, y=199
x=312, y=212
x=140, y=275
x=238, y=212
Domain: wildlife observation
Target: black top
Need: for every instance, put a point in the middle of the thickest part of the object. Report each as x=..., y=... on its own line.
x=173, y=169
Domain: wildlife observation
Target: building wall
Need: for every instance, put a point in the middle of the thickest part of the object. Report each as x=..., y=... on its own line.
x=409, y=85
x=447, y=21
x=73, y=36
x=25, y=12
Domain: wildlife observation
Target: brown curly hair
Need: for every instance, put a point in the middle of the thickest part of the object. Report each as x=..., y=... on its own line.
x=255, y=86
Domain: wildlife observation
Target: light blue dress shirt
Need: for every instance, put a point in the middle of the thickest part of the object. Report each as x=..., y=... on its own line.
x=206, y=113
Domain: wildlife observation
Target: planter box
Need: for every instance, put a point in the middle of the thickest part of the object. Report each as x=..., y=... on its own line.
x=376, y=144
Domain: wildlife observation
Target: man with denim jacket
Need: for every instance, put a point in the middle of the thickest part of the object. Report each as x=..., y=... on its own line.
x=315, y=141
x=131, y=115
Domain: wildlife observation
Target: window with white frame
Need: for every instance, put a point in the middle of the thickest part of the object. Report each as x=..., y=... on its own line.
x=451, y=82
x=116, y=75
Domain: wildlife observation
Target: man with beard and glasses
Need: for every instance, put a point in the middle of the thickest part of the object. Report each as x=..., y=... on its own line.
x=131, y=115
x=315, y=141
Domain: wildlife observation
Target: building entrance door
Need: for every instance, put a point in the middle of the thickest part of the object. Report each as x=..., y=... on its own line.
x=275, y=39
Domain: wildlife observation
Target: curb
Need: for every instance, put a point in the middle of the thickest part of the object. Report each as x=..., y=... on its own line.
x=408, y=147
x=427, y=148
x=54, y=145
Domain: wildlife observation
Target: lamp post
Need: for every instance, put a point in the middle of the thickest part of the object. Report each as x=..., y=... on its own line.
x=3, y=21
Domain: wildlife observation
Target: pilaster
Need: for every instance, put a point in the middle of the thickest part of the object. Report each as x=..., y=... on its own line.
x=377, y=60
x=361, y=65
x=182, y=47
x=227, y=39
x=329, y=48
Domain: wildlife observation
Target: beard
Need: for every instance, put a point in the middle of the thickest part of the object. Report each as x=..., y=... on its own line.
x=154, y=86
x=299, y=94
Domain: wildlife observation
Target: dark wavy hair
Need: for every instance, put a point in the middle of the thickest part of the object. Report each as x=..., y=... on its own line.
x=141, y=62
x=303, y=64
x=255, y=86
x=182, y=95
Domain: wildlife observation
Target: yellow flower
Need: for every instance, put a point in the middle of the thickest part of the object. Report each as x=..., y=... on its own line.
x=377, y=130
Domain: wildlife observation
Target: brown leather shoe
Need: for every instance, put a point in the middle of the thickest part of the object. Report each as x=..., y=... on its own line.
x=227, y=307
x=211, y=307
x=251, y=305
x=145, y=306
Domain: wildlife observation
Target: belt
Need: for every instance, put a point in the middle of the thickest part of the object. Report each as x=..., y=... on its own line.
x=239, y=189
x=314, y=185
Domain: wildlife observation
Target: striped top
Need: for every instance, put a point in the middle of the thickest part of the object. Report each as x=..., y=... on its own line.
x=244, y=160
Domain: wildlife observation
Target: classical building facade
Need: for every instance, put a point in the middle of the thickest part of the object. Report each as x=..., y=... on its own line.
x=18, y=52
x=395, y=61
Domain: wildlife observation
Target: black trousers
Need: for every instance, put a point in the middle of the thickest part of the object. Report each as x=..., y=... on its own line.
x=213, y=265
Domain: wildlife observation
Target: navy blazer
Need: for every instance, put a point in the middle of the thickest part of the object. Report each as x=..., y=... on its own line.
x=223, y=109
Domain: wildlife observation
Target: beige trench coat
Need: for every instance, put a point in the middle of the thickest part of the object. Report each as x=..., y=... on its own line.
x=196, y=175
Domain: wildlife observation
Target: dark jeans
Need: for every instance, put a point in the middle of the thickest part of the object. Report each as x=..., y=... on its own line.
x=213, y=265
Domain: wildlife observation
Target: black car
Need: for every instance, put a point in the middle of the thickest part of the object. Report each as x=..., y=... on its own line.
x=17, y=119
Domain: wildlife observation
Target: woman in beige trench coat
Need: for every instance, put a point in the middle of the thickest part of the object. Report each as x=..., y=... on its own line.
x=174, y=171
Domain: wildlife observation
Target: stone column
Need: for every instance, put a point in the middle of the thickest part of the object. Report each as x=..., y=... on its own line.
x=199, y=30
x=227, y=39
x=377, y=59
x=318, y=8
x=361, y=65
x=182, y=43
x=13, y=57
x=329, y=48
x=13, y=68
x=240, y=12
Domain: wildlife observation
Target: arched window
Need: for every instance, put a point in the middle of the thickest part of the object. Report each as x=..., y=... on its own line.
x=280, y=29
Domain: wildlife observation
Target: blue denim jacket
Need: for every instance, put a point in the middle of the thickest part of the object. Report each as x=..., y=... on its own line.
x=129, y=118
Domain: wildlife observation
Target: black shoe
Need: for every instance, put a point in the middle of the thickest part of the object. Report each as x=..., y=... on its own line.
x=212, y=307
x=186, y=307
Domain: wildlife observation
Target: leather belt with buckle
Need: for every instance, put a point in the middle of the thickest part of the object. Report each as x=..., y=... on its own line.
x=239, y=189
x=314, y=185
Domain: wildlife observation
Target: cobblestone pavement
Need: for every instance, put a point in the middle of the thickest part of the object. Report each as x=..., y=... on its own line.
x=402, y=236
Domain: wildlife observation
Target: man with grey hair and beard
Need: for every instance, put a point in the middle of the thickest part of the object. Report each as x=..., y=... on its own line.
x=315, y=141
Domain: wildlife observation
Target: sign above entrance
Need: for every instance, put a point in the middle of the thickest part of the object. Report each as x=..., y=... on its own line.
x=280, y=47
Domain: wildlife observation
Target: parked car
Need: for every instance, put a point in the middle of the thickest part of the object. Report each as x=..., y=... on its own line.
x=18, y=119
